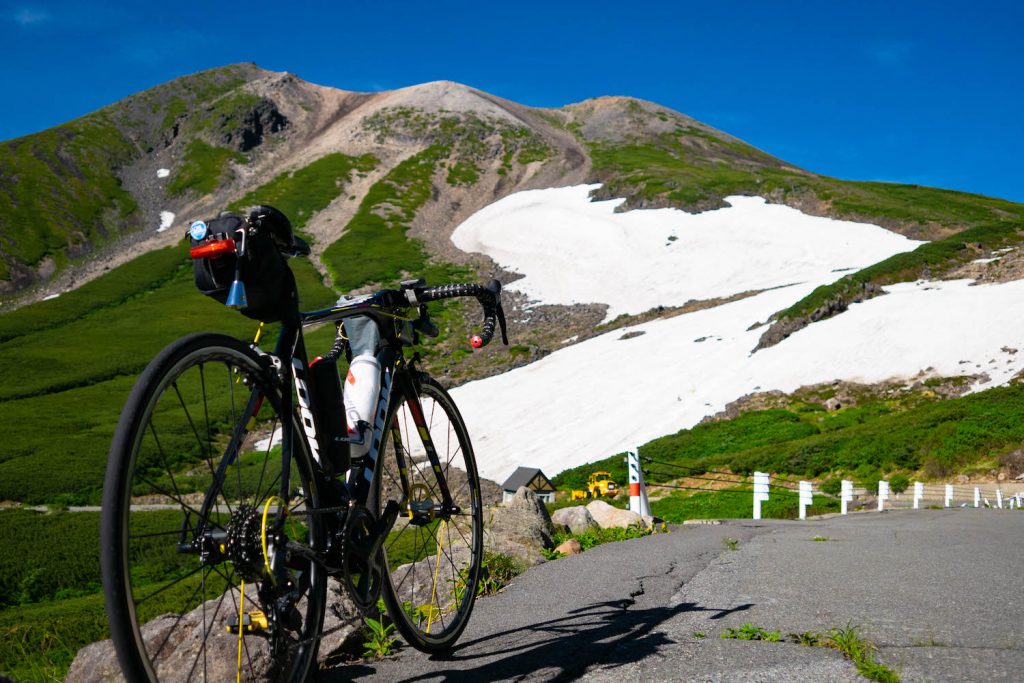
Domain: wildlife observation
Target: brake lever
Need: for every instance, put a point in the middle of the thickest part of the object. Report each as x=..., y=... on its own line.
x=494, y=286
x=501, y=323
x=425, y=325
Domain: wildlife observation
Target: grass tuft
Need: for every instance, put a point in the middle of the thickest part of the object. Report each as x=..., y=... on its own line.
x=851, y=642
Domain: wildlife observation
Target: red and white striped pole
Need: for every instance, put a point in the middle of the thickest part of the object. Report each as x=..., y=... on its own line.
x=638, y=502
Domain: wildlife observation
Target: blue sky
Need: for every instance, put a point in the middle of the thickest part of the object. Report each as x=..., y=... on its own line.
x=919, y=92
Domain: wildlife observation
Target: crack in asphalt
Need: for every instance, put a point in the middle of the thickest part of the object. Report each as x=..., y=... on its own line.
x=642, y=590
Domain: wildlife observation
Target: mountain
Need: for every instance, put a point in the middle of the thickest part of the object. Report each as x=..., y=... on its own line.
x=91, y=193
x=92, y=215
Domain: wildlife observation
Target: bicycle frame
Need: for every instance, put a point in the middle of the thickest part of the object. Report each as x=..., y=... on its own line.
x=290, y=361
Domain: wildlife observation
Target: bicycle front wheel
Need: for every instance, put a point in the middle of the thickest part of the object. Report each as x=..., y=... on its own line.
x=200, y=520
x=433, y=556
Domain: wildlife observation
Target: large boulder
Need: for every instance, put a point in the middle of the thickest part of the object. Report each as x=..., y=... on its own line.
x=520, y=528
x=609, y=517
x=98, y=661
x=95, y=662
x=577, y=519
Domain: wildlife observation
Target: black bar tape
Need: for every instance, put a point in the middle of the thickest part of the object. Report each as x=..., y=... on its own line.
x=455, y=291
x=486, y=295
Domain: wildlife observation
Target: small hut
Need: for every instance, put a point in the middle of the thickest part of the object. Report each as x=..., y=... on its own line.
x=533, y=479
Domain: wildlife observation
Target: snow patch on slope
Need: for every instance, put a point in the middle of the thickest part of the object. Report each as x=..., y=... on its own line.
x=605, y=395
x=572, y=250
x=166, y=220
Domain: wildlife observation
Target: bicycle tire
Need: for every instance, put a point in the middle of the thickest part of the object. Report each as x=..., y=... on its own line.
x=182, y=420
x=430, y=561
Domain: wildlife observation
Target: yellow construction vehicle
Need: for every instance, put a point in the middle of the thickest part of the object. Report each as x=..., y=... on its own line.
x=598, y=484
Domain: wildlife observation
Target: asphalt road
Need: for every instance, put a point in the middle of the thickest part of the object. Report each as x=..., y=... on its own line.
x=938, y=591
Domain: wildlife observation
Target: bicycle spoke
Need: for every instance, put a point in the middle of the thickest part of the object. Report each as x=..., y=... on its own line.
x=154, y=534
x=164, y=492
x=163, y=458
x=235, y=426
x=173, y=583
x=176, y=622
x=206, y=416
x=444, y=560
x=266, y=458
x=203, y=445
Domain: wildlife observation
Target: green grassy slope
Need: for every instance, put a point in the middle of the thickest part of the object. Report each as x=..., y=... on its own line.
x=50, y=582
x=65, y=372
x=60, y=192
x=655, y=157
x=303, y=192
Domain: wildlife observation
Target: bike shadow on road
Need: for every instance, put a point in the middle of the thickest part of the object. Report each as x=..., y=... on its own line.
x=606, y=633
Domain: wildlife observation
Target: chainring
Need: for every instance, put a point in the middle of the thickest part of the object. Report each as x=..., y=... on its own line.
x=361, y=574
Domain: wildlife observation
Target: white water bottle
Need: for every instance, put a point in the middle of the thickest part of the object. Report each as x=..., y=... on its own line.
x=361, y=388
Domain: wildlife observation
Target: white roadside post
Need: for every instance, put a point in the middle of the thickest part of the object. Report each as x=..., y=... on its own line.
x=760, y=492
x=806, y=497
x=949, y=495
x=918, y=494
x=638, y=502
x=999, y=498
x=883, y=494
x=845, y=495
x=977, y=497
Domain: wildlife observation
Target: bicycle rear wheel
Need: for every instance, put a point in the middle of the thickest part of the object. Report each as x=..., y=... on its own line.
x=433, y=556
x=195, y=515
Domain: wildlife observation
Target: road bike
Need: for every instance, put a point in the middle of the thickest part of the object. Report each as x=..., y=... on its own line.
x=235, y=487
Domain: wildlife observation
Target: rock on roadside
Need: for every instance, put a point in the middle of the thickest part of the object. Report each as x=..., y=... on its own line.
x=577, y=519
x=520, y=528
x=609, y=517
x=98, y=661
x=569, y=547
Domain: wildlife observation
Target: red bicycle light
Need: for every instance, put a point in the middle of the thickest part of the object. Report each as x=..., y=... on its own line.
x=476, y=341
x=214, y=249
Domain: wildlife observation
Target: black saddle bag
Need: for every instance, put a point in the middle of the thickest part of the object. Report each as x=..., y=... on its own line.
x=270, y=290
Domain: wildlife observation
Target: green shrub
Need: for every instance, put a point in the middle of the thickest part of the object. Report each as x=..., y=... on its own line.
x=868, y=476
x=498, y=571
x=378, y=641
x=39, y=641
x=594, y=537
x=898, y=483
x=832, y=486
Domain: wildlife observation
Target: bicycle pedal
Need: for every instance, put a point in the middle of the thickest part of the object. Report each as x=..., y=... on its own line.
x=253, y=622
